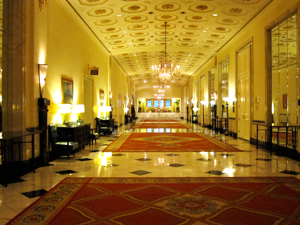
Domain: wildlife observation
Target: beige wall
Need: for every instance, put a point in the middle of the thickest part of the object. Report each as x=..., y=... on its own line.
x=70, y=54
x=119, y=86
x=255, y=31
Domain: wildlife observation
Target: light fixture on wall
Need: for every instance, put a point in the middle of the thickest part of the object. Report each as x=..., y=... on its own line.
x=43, y=4
x=110, y=94
x=166, y=71
x=79, y=108
x=64, y=109
x=42, y=77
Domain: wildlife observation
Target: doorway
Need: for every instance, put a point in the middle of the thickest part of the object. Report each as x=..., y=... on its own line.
x=88, y=101
x=243, y=77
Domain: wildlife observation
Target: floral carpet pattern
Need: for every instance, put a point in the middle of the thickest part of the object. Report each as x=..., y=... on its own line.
x=162, y=125
x=168, y=201
x=168, y=142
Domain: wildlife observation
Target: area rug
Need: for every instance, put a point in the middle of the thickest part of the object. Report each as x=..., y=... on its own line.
x=162, y=125
x=159, y=120
x=167, y=201
x=168, y=142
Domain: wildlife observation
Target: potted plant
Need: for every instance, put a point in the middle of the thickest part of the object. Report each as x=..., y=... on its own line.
x=177, y=102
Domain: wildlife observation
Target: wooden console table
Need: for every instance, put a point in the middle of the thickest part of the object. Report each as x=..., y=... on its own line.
x=76, y=132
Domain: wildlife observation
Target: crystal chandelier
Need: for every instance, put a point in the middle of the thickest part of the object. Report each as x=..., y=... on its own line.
x=166, y=71
x=160, y=88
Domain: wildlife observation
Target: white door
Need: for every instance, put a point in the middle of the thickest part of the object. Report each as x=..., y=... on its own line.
x=88, y=102
x=244, y=93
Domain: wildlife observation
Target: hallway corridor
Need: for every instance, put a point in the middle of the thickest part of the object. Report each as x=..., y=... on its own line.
x=91, y=162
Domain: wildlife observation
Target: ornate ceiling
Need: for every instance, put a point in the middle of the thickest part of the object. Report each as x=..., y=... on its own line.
x=133, y=31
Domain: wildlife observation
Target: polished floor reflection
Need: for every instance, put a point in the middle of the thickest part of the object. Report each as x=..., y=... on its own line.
x=92, y=162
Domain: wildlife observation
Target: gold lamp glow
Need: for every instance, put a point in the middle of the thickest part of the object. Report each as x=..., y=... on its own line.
x=64, y=109
x=104, y=109
x=79, y=108
x=42, y=76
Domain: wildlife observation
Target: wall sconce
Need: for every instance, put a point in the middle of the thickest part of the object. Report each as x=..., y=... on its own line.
x=78, y=109
x=64, y=109
x=42, y=75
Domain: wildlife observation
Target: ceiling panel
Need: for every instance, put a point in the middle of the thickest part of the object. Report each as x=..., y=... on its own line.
x=134, y=31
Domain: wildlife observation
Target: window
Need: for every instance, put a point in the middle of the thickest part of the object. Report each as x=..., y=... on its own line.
x=149, y=103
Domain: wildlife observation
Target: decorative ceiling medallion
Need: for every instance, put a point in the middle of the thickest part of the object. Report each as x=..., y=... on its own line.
x=141, y=40
x=235, y=11
x=167, y=7
x=168, y=17
x=216, y=36
x=246, y=2
x=168, y=33
x=201, y=8
x=189, y=33
x=121, y=47
x=111, y=30
x=163, y=39
x=185, y=45
x=138, y=27
x=135, y=19
x=139, y=34
x=114, y=36
x=100, y=12
x=196, y=18
x=210, y=42
x=163, y=44
x=187, y=39
x=106, y=22
x=227, y=21
x=92, y=2
x=220, y=29
x=134, y=8
x=162, y=26
x=192, y=27
x=207, y=46
x=117, y=42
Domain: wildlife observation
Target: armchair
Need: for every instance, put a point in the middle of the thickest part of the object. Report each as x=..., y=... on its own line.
x=104, y=126
x=61, y=143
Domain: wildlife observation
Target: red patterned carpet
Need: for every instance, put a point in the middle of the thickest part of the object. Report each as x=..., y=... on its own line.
x=161, y=125
x=168, y=142
x=167, y=201
x=159, y=120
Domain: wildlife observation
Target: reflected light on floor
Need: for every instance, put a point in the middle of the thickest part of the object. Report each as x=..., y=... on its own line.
x=104, y=159
x=229, y=171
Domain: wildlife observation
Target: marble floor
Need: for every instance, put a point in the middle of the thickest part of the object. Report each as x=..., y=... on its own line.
x=92, y=162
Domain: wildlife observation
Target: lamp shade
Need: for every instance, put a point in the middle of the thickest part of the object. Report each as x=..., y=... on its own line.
x=105, y=108
x=79, y=108
x=64, y=108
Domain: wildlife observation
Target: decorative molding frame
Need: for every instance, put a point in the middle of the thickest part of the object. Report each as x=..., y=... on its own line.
x=43, y=4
